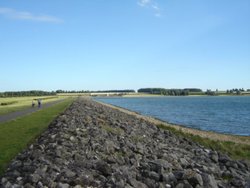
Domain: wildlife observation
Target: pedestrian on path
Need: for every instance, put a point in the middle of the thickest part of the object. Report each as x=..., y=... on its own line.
x=39, y=103
x=33, y=104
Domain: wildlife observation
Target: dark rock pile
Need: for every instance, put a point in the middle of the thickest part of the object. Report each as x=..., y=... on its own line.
x=92, y=145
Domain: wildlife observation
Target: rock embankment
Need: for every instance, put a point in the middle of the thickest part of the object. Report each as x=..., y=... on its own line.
x=92, y=145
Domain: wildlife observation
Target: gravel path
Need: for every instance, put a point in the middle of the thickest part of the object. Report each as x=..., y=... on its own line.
x=92, y=145
x=14, y=115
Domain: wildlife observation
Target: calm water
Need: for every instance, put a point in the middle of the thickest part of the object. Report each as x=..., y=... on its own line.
x=229, y=115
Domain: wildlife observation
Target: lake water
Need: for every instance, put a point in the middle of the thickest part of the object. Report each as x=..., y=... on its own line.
x=229, y=114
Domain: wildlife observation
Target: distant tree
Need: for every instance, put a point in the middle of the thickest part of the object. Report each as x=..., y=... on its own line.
x=193, y=90
x=210, y=92
x=162, y=91
x=26, y=93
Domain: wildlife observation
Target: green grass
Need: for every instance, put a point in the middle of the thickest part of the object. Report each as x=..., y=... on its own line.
x=234, y=150
x=8, y=103
x=12, y=104
x=16, y=135
x=113, y=130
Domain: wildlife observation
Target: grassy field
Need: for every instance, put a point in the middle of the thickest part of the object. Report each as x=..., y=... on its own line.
x=12, y=104
x=16, y=135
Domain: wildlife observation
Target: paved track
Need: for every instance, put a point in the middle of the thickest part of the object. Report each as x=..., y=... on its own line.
x=14, y=115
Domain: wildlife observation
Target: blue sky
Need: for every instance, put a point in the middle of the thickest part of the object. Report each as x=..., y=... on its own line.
x=124, y=44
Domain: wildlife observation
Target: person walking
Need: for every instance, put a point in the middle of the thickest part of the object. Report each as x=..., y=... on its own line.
x=39, y=103
x=33, y=104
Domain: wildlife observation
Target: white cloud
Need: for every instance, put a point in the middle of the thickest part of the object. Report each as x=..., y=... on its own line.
x=151, y=4
x=20, y=15
x=155, y=7
x=144, y=2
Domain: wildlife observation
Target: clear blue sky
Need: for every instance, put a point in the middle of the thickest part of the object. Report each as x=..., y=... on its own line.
x=124, y=44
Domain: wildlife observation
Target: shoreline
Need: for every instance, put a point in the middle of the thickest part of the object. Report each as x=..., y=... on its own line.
x=204, y=134
x=156, y=95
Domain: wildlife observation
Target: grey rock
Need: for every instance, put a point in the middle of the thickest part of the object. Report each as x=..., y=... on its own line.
x=104, y=168
x=28, y=185
x=153, y=175
x=120, y=184
x=137, y=184
x=159, y=165
x=34, y=178
x=40, y=185
x=8, y=185
x=179, y=175
x=214, y=157
x=169, y=178
x=237, y=182
x=180, y=185
x=196, y=180
x=4, y=180
x=223, y=158
x=63, y=185
x=69, y=174
x=78, y=186
x=209, y=181
x=184, y=162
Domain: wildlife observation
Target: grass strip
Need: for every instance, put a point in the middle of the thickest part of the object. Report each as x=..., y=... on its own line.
x=234, y=150
x=13, y=104
x=16, y=135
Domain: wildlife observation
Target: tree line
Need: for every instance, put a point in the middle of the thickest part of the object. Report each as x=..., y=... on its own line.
x=159, y=91
x=99, y=91
x=171, y=92
x=26, y=93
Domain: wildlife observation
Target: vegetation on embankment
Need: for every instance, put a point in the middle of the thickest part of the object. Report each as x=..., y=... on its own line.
x=12, y=104
x=17, y=134
x=238, y=147
x=234, y=150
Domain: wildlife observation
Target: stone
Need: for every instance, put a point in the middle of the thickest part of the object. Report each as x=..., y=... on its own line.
x=72, y=138
x=180, y=185
x=137, y=184
x=4, y=180
x=153, y=175
x=168, y=186
x=19, y=178
x=169, y=178
x=104, y=168
x=159, y=165
x=209, y=181
x=8, y=185
x=69, y=174
x=40, y=185
x=237, y=182
x=223, y=158
x=35, y=178
x=63, y=185
x=120, y=184
x=214, y=157
x=195, y=180
x=179, y=175
x=16, y=186
x=184, y=162
x=78, y=186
